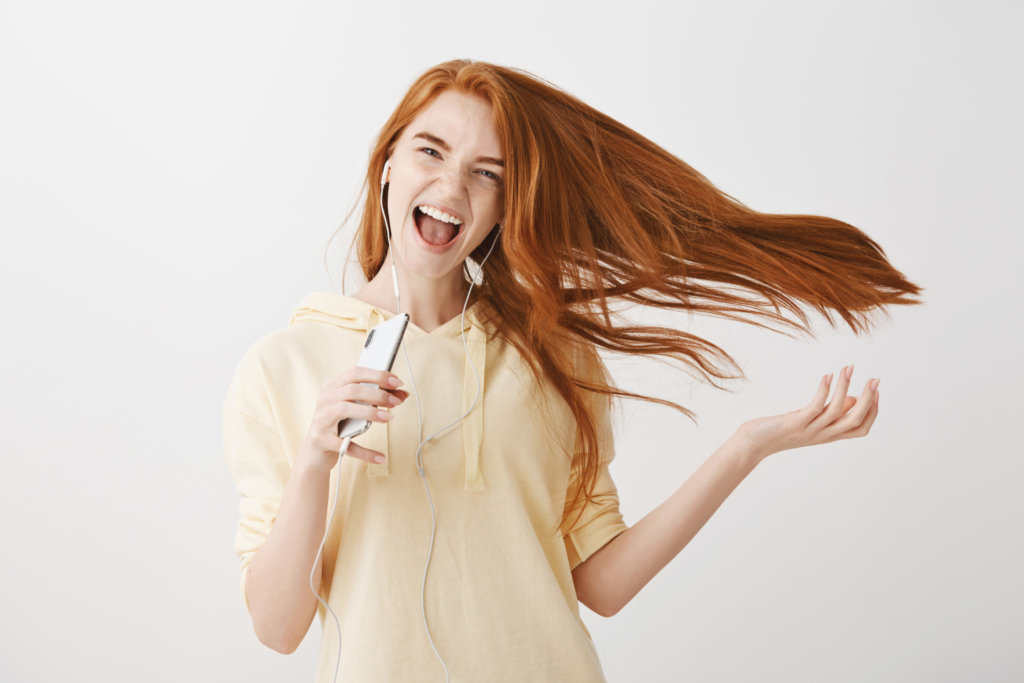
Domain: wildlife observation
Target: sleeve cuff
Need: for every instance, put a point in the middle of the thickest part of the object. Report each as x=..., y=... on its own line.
x=581, y=544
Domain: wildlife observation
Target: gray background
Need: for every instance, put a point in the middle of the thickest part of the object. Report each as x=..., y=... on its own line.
x=170, y=176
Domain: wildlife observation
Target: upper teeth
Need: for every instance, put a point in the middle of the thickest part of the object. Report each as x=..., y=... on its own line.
x=439, y=215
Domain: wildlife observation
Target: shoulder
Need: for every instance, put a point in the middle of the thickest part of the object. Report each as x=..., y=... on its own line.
x=274, y=348
x=313, y=336
x=248, y=390
x=587, y=362
x=321, y=323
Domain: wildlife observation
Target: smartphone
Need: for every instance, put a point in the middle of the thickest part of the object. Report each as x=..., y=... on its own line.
x=379, y=352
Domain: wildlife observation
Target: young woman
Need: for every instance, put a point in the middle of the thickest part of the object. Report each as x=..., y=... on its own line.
x=506, y=218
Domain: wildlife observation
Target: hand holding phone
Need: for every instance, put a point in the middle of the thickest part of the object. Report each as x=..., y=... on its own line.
x=378, y=353
x=352, y=400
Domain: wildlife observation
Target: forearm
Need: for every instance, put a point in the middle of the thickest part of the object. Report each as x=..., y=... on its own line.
x=615, y=574
x=277, y=584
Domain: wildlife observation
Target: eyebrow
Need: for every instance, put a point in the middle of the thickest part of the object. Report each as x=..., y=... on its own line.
x=444, y=145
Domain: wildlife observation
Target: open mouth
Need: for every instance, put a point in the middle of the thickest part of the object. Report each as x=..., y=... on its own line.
x=435, y=230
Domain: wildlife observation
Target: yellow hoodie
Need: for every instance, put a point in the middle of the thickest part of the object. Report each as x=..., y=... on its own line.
x=500, y=600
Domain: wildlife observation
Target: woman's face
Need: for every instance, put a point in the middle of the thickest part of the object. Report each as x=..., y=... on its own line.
x=448, y=162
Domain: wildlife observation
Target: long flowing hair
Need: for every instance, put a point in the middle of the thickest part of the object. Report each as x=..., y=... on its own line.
x=596, y=214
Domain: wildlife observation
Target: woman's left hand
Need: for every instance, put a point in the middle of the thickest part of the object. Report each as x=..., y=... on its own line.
x=845, y=417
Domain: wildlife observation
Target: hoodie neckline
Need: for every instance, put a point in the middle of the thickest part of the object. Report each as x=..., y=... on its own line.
x=441, y=330
x=346, y=306
x=343, y=311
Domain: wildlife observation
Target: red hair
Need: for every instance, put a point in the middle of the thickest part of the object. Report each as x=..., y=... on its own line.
x=595, y=212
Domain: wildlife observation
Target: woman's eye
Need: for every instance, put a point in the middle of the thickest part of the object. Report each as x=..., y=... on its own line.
x=490, y=175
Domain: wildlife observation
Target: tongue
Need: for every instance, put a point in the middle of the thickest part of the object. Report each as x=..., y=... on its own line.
x=436, y=232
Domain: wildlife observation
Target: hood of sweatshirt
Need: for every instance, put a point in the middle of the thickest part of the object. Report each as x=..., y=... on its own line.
x=330, y=308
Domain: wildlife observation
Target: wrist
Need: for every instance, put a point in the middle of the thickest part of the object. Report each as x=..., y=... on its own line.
x=747, y=449
x=312, y=463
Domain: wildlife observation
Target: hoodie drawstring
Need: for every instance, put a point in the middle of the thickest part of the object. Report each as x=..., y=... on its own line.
x=473, y=425
x=378, y=437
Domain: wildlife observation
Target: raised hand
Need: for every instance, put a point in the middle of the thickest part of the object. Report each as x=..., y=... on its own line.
x=845, y=417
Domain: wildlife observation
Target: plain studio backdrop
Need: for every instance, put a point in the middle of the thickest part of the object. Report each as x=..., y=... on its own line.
x=170, y=175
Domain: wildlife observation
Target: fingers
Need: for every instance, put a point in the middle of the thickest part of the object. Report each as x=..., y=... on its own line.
x=860, y=429
x=817, y=403
x=865, y=426
x=367, y=393
x=357, y=396
x=357, y=410
x=359, y=453
x=380, y=378
x=357, y=393
x=350, y=387
x=324, y=431
x=845, y=415
x=837, y=405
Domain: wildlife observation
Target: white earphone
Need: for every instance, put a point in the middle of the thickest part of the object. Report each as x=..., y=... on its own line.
x=387, y=233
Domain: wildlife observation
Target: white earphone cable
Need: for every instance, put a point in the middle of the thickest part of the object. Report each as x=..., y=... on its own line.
x=423, y=442
x=319, y=553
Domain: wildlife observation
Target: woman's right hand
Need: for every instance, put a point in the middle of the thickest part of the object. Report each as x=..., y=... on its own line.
x=337, y=401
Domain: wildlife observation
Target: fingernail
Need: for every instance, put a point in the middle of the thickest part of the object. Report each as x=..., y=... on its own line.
x=849, y=371
x=384, y=415
x=874, y=384
x=379, y=459
x=394, y=381
x=828, y=378
x=393, y=400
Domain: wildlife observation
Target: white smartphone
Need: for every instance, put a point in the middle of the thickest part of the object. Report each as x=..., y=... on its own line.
x=379, y=352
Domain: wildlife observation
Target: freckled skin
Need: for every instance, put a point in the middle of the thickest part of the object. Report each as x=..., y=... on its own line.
x=423, y=173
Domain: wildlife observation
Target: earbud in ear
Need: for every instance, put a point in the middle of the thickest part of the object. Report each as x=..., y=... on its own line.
x=384, y=173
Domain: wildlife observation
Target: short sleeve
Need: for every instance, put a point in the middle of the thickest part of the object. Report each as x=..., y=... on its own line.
x=255, y=457
x=601, y=520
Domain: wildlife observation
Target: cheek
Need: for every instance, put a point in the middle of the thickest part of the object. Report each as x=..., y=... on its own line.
x=492, y=206
x=398, y=205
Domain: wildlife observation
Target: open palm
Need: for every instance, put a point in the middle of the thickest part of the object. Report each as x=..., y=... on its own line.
x=845, y=417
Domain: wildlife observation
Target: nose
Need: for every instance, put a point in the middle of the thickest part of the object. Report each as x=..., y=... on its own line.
x=451, y=180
